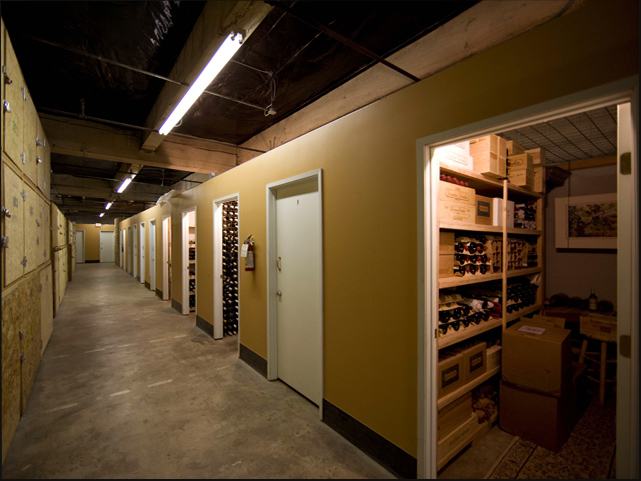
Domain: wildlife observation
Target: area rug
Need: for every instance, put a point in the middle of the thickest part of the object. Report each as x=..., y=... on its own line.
x=587, y=454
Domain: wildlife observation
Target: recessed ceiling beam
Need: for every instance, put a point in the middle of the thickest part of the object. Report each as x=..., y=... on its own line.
x=92, y=140
x=212, y=27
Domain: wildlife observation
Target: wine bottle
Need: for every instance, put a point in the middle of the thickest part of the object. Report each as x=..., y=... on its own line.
x=593, y=301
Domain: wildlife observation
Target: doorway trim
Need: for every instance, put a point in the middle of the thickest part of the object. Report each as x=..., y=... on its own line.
x=165, y=242
x=152, y=262
x=121, y=249
x=427, y=233
x=84, y=254
x=142, y=232
x=101, y=233
x=217, y=205
x=136, y=256
x=272, y=282
x=184, y=243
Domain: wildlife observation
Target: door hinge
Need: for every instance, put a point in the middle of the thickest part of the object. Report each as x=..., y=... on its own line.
x=24, y=261
x=6, y=212
x=24, y=160
x=7, y=80
x=24, y=94
x=23, y=194
x=40, y=288
x=22, y=358
x=21, y=335
x=37, y=222
x=626, y=163
x=7, y=107
x=31, y=211
x=38, y=160
x=39, y=142
x=5, y=242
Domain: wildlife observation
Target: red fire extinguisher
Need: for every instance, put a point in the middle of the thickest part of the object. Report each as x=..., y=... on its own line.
x=248, y=250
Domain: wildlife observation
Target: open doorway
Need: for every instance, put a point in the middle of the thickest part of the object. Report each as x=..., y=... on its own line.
x=189, y=270
x=166, y=258
x=80, y=246
x=152, y=255
x=494, y=187
x=143, y=253
x=121, y=261
x=226, y=267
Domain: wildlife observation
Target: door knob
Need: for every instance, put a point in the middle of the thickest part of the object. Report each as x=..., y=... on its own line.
x=279, y=293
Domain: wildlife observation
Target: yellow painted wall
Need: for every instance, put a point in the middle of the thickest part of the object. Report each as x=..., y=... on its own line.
x=92, y=239
x=370, y=220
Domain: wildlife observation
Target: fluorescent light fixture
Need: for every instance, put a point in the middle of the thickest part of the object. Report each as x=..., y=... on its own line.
x=124, y=185
x=223, y=55
x=108, y=205
x=98, y=224
x=101, y=214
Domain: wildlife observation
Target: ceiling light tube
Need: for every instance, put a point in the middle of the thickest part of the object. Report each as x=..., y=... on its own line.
x=124, y=185
x=223, y=55
x=101, y=214
x=108, y=205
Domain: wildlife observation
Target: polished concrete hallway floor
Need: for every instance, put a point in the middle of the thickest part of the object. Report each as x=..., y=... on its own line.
x=129, y=388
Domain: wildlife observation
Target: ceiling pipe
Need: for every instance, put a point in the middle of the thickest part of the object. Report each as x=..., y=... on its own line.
x=344, y=40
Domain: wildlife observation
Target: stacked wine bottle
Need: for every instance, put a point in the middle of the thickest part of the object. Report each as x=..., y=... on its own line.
x=230, y=268
x=192, y=275
x=457, y=312
x=471, y=255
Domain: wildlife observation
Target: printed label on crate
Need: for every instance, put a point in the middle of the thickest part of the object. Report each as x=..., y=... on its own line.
x=483, y=209
x=532, y=330
x=476, y=361
x=450, y=376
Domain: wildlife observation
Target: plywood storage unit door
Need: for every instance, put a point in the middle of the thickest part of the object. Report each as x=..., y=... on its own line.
x=31, y=229
x=43, y=159
x=13, y=105
x=11, y=314
x=57, y=287
x=13, y=225
x=30, y=337
x=46, y=306
x=44, y=216
x=30, y=133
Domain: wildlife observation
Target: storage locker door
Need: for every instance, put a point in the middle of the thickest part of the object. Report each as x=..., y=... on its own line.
x=31, y=229
x=13, y=105
x=30, y=341
x=46, y=306
x=13, y=253
x=11, y=314
x=45, y=233
x=29, y=138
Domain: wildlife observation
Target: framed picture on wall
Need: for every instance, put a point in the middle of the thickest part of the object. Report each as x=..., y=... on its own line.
x=586, y=222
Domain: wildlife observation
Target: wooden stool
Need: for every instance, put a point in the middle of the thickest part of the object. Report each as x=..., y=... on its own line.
x=601, y=359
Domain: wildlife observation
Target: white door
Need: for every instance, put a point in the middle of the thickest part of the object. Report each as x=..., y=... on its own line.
x=106, y=246
x=298, y=283
x=142, y=252
x=122, y=247
x=128, y=249
x=80, y=247
x=135, y=251
x=166, y=258
x=152, y=255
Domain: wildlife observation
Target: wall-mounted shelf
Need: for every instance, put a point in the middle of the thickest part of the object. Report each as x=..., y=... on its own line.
x=467, y=279
x=450, y=398
x=471, y=331
x=524, y=272
x=472, y=227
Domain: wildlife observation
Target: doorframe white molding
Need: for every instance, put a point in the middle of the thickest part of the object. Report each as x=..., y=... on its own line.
x=165, y=243
x=135, y=259
x=272, y=316
x=184, y=244
x=100, y=234
x=427, y=242
x=84, y=243
x=217, y=210
x=121, y=250
x=142, y=234
x=153, y=271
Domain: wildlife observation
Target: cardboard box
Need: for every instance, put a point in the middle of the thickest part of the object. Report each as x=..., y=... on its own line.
x=497, y=212
x=446, y=242
x=580, y=389
x=475, y=362
x=446, y=265
x=453, y=416
x=522, y=178
x=517, y=162
x=514, y=148
x=493, y=356
x=598, y=326
x=450, y=375
x=489, y=154
x=456, y=213
x=460, y=435
x=538, y=357
x=552, y=321
x=456, y=194
x=455, y=155
x=538, y=156
x=539, y=178
x=484, y=210
x=544, y=420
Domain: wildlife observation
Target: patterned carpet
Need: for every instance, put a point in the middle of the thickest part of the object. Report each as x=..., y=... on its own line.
x=587, y=454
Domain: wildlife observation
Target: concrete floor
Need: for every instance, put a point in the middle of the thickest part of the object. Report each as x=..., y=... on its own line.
x=129, y=388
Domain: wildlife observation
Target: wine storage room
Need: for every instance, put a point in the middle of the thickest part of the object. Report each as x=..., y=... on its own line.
x=470, y=285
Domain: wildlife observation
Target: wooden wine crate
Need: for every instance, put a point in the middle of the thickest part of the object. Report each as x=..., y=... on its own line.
x=484, y=211
x=460, y=435
x=446, y=265
x=493, y=356
x=489, y=154
x=539, y=178
x=521, y=161
x=538, y=156
x=455, y=155
x=446, y=242
x=450, y=374
x=454, y=415
x=456, y=194
x=598, y=326
x=456, y=213
x=514, y=148
x=522, y=178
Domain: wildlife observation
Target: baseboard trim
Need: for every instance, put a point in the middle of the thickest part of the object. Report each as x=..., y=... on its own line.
x=254, y=360
x=147, y=285
x=138, y=278
x=387, y=454
x=177, y=305
x=159, y=293
x=204, y=326
x=92, y=262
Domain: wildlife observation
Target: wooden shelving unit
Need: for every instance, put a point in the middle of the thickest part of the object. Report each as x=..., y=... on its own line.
x=489, y=187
